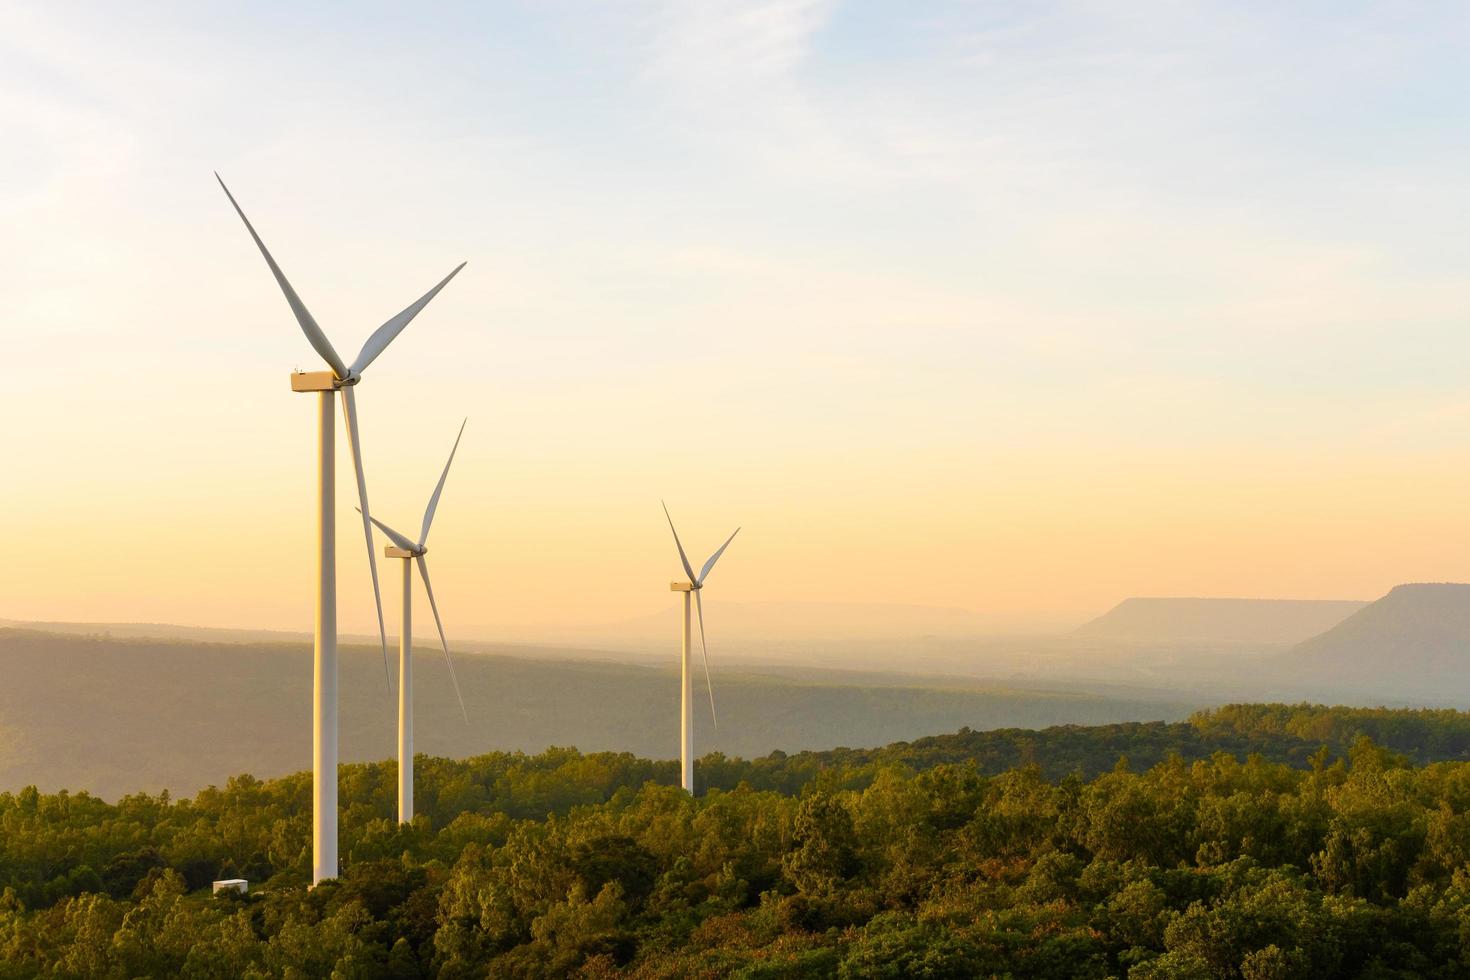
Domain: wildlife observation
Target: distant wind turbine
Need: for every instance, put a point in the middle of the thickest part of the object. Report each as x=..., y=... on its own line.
x=412, y=552
x=686, y=708
x=342, y=377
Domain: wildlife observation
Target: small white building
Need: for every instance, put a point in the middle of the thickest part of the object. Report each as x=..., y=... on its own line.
x=232, y=885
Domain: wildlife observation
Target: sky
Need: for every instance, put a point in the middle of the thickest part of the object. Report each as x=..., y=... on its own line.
x=1013, y=308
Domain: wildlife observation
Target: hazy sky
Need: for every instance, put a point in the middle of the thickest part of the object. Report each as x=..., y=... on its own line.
x=1021, y=308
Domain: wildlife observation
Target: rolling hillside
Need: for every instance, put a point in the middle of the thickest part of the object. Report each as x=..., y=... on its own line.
x=119, y=715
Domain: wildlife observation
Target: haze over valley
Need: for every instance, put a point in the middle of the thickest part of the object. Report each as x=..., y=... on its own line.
x=98, y=706
x=76, y=714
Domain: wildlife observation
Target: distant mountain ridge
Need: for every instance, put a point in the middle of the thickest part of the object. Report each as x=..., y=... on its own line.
x=1415, y=641
x=748, y=624
x=1200, y=620
x=161, y=631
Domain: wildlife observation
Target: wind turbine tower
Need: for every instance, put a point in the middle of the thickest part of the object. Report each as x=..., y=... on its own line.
x=327, y=384
x=412, y=553
x=686, y=698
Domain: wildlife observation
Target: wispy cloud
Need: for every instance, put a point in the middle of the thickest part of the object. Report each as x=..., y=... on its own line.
x=726, y=45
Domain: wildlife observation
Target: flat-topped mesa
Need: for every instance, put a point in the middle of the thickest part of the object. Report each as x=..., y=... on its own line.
x=1228, y=621
x=1455, y=591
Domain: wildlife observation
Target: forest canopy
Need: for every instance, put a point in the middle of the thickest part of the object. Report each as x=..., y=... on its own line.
x=1254, y=841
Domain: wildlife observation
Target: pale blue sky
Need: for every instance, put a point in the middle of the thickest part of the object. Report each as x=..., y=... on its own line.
x=945, y=297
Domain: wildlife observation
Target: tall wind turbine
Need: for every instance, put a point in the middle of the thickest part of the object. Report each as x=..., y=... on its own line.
x=412, y=552
x=341, y=378
x=686, y=708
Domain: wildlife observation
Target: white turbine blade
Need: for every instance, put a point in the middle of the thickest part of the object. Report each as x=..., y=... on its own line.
x=688, y=569
x=709, y=685
x=349, y=411
x=709, y=565
x=383, y=336
x=393, y=535
x=314, y=333
x=424, y=574
x=438, y=489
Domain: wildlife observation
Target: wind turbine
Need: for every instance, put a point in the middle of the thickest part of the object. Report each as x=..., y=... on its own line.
x=686, y=709
x=342, y=377
x=412, y=552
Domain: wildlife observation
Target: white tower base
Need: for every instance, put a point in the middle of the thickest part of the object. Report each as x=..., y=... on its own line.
x=324, y=661
x=405, y=694
x=686, y=698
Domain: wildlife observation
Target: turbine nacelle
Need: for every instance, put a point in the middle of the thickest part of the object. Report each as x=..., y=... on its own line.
x=321, y=381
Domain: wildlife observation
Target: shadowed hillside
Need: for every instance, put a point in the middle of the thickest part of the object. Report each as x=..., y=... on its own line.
x=1414, y=642
x=1265, y=621
x=115, y=716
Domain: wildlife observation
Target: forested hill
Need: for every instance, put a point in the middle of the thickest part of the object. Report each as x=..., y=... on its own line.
x=1286, y=733
x=1320, y=854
